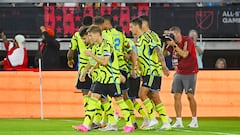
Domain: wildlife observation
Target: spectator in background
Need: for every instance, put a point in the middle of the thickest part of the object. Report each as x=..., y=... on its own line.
x=199, y=47
x=49, y=50
x=221, y=63
x=16, y=58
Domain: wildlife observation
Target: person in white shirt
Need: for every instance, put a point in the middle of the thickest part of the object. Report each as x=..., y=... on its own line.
x=199, y=45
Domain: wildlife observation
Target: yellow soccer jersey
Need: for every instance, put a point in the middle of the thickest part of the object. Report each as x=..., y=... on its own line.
x=147, y=58
x=78, y=44
x=110, y=73
x=119, y=46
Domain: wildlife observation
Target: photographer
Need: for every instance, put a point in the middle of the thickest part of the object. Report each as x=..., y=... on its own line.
x=186, y=74
x=16, y=54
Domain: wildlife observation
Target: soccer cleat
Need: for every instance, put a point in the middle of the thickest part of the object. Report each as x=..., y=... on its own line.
x=110, y=127
x=166, y=126
x=177, y=125
x=193, y=125
x=135, y=125
x=145, y=123
x=128, y=129
x=103, y=124
x=151, y=124
x=170, y=120
x=95, y=125
x=81, y=128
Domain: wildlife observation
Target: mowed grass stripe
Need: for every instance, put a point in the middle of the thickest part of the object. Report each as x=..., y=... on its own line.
x=208, y=126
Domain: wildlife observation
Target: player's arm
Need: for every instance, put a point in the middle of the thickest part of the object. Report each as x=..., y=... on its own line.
x=134, y=62
x=84, y=72
x=71, y=51
x=101, y=60
x=70, y=56
x=162, y=60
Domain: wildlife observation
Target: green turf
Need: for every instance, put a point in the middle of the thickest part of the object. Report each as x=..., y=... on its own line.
x=208, y=126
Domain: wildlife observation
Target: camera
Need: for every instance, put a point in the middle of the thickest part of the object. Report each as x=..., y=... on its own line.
x=167, y=37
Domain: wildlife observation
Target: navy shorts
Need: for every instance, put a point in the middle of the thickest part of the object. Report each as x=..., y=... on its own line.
x=152, y=82
x=124, y=86
x=112, y=90
x=85, y=86
x=134, y=85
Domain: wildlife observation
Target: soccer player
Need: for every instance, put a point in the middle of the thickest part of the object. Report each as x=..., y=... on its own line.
x=79, y=42
x=119, y=46
x=145, y=27
x=134, y=82
x=108, y=83
x=99, y=21
x=150, y=57
x=156, y=41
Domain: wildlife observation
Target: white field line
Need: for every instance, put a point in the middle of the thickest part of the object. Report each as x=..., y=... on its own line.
x=208, y=132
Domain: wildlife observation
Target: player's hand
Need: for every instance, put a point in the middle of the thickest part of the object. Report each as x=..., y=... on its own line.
x=166, y=71
x=70, y=63
x=42, y=28
x=90, y=72
x=134, y=74
x=122, y=78
x=88, y=53
x=82, y=78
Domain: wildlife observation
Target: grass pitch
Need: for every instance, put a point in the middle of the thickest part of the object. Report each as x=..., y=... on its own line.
x=207, y=126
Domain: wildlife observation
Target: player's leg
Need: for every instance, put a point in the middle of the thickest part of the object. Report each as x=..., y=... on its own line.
x=84, y=87
x=115, y=88
x=125, y=88
x=134, y=85
x=143, y=94
x=90, y=112
x=160, y=109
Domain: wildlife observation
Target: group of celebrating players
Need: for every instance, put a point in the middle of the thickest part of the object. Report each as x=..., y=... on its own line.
x=113, y=66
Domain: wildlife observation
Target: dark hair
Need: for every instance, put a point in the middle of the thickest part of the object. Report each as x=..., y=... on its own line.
x=87, y=21
x=144, y=18
x=119, y=28
x=94, y=29
x=83, y=31
x=109, y=18
x=98, y=20
x=137, y=21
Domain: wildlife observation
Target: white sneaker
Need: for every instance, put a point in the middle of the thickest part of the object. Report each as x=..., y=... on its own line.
x=145, y=122
x=166, y=126
x=110, y=127
x=193, y=125
x=177, y=125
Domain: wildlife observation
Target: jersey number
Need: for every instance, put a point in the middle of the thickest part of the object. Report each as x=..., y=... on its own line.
x=117, y=44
